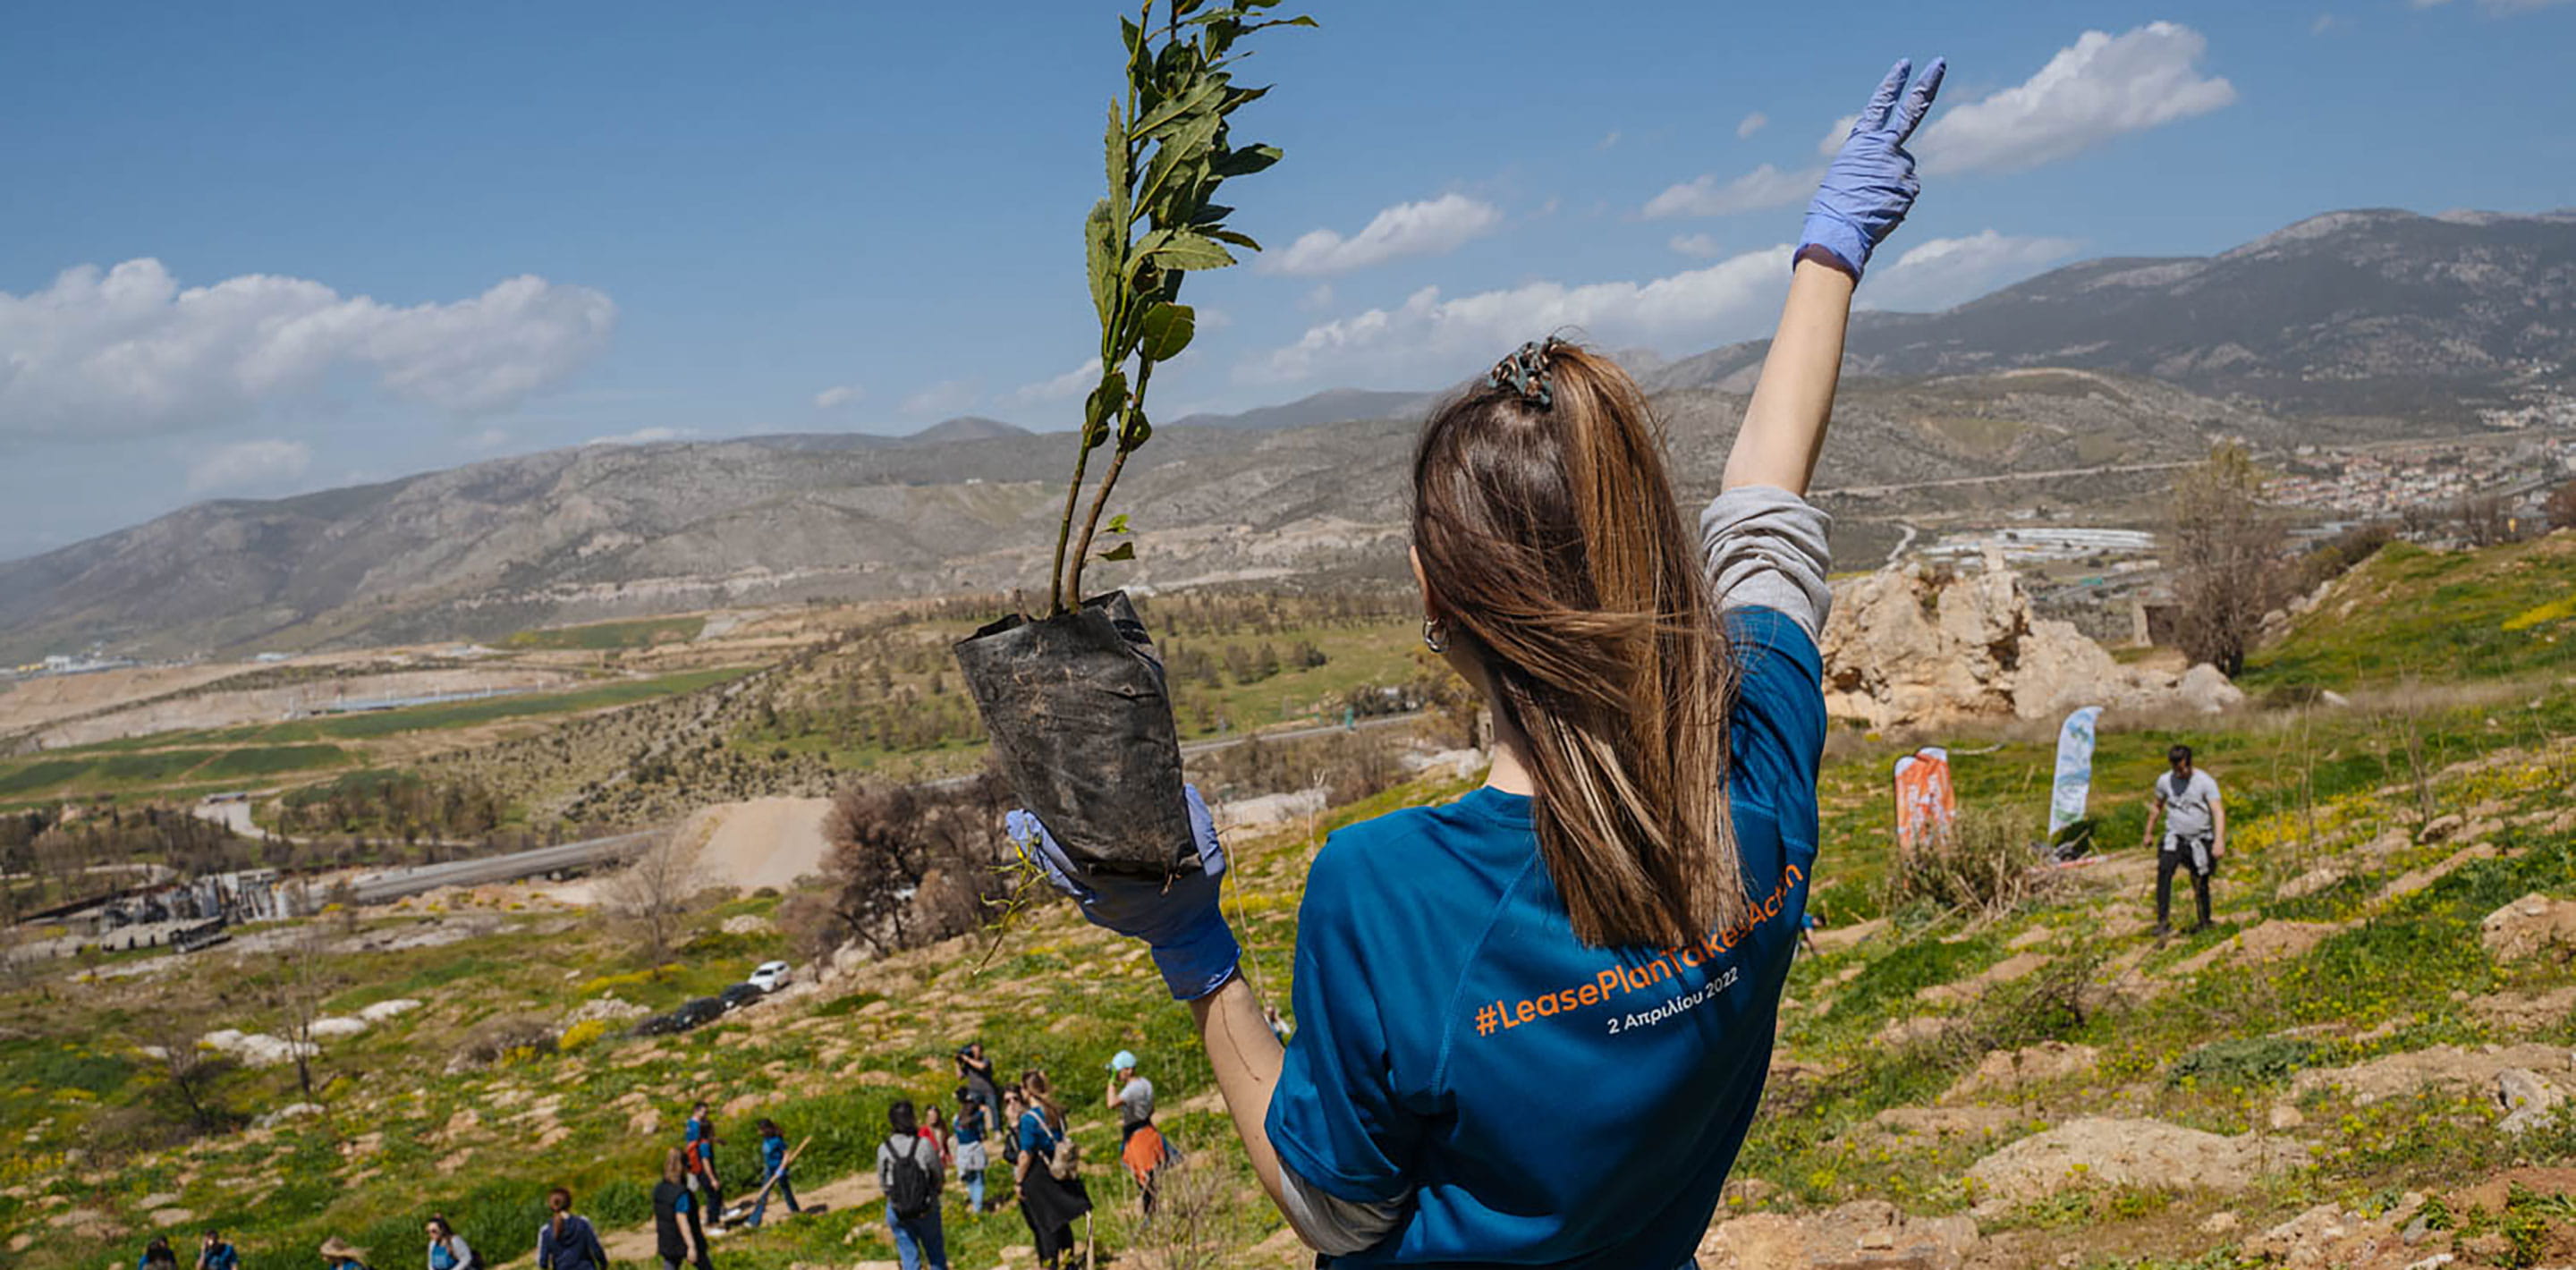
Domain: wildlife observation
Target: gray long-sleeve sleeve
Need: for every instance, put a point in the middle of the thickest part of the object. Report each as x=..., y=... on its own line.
x=1764, y=546
x=1329, y=1224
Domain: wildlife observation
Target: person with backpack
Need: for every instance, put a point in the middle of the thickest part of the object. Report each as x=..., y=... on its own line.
x=567, y=1241
x=679, y=1238
x=1049, y=1172
x=213, y=1253
x=1533, y=1024
x=157, y=1255
x=698, y=1141
x=447, y=1249
x=973, y=1125
x=340, y=1254
x=773, y=1172
x=909, y=1174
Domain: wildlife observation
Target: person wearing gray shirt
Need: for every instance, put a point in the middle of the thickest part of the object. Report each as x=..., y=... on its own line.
x=2195, y=820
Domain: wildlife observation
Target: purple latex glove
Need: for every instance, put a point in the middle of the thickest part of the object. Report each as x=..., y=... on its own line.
x=1179, y=921
x=1870, y=185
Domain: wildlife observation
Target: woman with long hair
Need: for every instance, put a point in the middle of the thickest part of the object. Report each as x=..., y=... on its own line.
x=1533, y=1024
x=567, y=1241
x=447, y=1249
x=679, y=1234
x=1050, y=1204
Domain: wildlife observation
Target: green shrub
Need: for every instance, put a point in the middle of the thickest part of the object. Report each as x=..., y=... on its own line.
x=1981, y=864
x=2240, y=1062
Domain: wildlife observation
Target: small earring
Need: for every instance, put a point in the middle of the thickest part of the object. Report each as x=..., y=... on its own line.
x=1435, y=635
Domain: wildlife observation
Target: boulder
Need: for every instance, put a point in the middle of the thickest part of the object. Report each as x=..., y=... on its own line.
x=2527, y=926
x=2098, y=1151
x=2529, y=1100
x=2206, y=688
x=2455, y=1067
x=2326, y=1235
x=2524, y=1011
x=383, y=1010
x=1862, y=1235
x=1911, y=645
x=2005, y=1072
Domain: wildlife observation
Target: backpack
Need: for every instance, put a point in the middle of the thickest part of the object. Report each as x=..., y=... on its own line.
x=1064, y=1155
x=910, y=1188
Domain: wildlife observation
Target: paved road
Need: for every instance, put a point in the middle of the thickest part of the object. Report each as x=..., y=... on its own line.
x=393, y=884
x=1992, y=477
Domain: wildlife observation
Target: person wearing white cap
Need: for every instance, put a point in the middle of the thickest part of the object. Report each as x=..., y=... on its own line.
x=1131, y=1094
x=1140, y=1144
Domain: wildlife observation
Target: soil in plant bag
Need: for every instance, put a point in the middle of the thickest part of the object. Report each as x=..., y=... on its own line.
x=1082, y=724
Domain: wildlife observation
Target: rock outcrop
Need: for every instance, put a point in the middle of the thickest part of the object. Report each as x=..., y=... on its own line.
x=2141, y=1153
x=1911, y=645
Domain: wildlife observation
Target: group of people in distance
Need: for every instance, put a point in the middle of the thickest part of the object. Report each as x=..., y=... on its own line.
x=1020, y=1126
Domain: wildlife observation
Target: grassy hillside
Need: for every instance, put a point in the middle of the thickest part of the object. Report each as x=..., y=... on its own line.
x=2445, y=616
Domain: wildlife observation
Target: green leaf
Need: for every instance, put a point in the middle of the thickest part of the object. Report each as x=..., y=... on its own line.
x=1104, y=236
x=1105, y=403
x=1185, y=250
x=1244, y=160
x=1204, y=96
x=1135, y=432
x=1167, y=330
x=1229, y=236
x=1118, y=523
x=1123, y=551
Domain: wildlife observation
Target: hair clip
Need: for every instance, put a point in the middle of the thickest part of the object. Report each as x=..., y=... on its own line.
x=1525, y=373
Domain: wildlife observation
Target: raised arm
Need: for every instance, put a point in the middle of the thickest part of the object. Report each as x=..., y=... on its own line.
x=1866, y=193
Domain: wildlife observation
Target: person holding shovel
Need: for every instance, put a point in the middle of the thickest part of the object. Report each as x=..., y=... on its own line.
x=773, y=1169
x=1604, y=929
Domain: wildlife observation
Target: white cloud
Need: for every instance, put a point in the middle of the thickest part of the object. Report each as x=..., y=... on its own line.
x=1702, y=246
x=1076, y=382
x=1607, y=140
x=267, y=466
x=1725, y=300
x=2100, y=87
x=1751, y=124
x=946, y=397
x=1941, y=272
x=2323, y=23
x=1320, y=297
x=129, y=352
x=1835, y=136
x=644, y=436
x=837, y=395
x=1765, y=186
x=488, y=439
x=1429, y=228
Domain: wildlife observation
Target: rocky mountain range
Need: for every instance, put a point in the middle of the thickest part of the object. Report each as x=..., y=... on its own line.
x=2380, y=313
x=2349, y=326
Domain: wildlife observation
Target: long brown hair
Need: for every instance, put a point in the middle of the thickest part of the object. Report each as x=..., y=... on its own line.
x=1550, y=541
x=1041, y=1093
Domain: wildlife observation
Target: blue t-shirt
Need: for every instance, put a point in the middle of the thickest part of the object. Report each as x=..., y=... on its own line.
x=970, y=1124
x=1545, y=1103
x=773, y=1153
x=703, y=1135
x=1035, y=1134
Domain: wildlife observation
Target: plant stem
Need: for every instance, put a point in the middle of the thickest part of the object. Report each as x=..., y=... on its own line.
x=1064, y=530
x=1108, y=481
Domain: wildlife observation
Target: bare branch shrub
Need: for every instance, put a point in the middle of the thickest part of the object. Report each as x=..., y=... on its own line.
x=909, y=865
x=2226, y=548
x=652, y=894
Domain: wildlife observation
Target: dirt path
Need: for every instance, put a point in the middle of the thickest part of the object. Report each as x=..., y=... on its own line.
x=765, y=842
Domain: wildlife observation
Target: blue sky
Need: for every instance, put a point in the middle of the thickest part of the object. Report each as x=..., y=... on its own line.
x=250, y=250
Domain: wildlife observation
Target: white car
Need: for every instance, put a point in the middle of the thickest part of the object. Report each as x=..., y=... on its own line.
x=769, y=977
